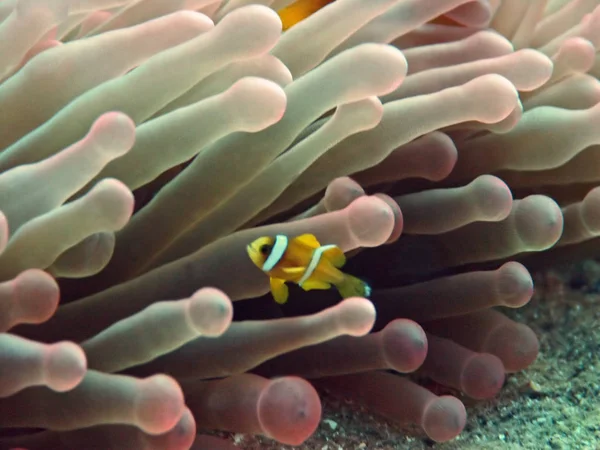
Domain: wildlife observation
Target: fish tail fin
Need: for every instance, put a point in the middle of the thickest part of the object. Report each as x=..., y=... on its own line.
x=351, y=286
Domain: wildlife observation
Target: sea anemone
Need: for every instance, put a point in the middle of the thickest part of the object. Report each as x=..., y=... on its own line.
x=144, y=144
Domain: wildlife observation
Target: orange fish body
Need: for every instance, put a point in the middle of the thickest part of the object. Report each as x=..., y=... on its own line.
x=304, y=261
x=300, y=10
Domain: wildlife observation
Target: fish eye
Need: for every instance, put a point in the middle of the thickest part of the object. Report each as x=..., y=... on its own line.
x=265, y=249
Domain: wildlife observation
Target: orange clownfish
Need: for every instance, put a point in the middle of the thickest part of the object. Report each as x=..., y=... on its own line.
x=304, y=261
x=300, y=10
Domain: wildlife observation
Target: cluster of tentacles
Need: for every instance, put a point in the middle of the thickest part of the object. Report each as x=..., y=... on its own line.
x=144, y=144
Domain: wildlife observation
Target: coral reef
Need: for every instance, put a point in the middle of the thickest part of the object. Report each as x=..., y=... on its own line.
x=447, y=147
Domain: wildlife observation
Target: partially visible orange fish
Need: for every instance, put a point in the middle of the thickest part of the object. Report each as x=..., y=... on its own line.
x=304, y=261
x=300, y=10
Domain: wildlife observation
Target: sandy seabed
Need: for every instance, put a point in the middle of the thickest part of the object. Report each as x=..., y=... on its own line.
x=555, y=404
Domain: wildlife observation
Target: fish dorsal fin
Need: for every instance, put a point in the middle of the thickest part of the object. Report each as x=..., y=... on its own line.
x=334, y=254
x=309, y=240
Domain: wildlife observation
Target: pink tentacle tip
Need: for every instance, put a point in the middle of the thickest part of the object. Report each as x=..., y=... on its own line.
x=355, y=316
x=515, y=344
x=498, y=88
x=65, y=366
x=289, y=410
x=210, y=311
x=36, y=295
x=180, y=437
x=160, y=404
x=398, y=217
x=483, y=376
x=493, y=197
x=577, y=54
x=404, y=345
x=515, y=285
x=539, y=221
x=340, y=193
x=371, y=221
x=249, y=91
x=444, y=418
x=113, y=132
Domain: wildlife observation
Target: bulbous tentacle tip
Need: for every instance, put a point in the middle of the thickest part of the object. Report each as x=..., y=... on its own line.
x=539, y=222
x=160, y=404
x=482, y=376
x=356, y=316
x=180, y=437
x=36, y=295
x=65, y=366
x=210, y=311
x=444, y=418
x=289, y=410
x=515, y=344
x=514, y=284
x=113, y=133
x=404, y=345
x=371, y=221
x=340, y=193
x=398, y=217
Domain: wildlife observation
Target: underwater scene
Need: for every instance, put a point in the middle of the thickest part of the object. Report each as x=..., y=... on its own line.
x=299, y=224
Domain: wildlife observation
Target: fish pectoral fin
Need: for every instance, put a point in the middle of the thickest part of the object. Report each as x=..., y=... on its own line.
x=309, y=240
x=279, y=290
x=314, y=284
x=335, y=254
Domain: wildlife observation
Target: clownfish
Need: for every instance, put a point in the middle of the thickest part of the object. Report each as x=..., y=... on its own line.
x=304, y=261
x=300, y=10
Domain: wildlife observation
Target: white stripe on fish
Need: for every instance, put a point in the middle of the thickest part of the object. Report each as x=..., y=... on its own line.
x=279, y=248
x=314, y=262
